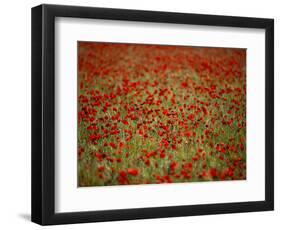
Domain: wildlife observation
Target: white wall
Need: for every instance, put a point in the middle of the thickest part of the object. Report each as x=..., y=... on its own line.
x=15, y=113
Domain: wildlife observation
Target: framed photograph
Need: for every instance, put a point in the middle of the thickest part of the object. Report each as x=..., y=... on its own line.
x=142, y=114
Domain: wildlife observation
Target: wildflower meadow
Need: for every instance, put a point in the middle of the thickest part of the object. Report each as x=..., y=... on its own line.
x=150, y=114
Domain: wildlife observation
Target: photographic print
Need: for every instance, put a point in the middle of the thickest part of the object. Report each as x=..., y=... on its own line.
x=172, y=106
x=151, y=114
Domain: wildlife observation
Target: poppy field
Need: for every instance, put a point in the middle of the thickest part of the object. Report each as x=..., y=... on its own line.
x=150, y=114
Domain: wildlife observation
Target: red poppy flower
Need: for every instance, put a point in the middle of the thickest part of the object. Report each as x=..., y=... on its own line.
x=162, y=154
x=113, y=145
x=213, y=172
x=133, y=171
x=191, y=117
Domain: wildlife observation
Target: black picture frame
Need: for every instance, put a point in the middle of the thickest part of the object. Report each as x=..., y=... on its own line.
x=43, y=114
